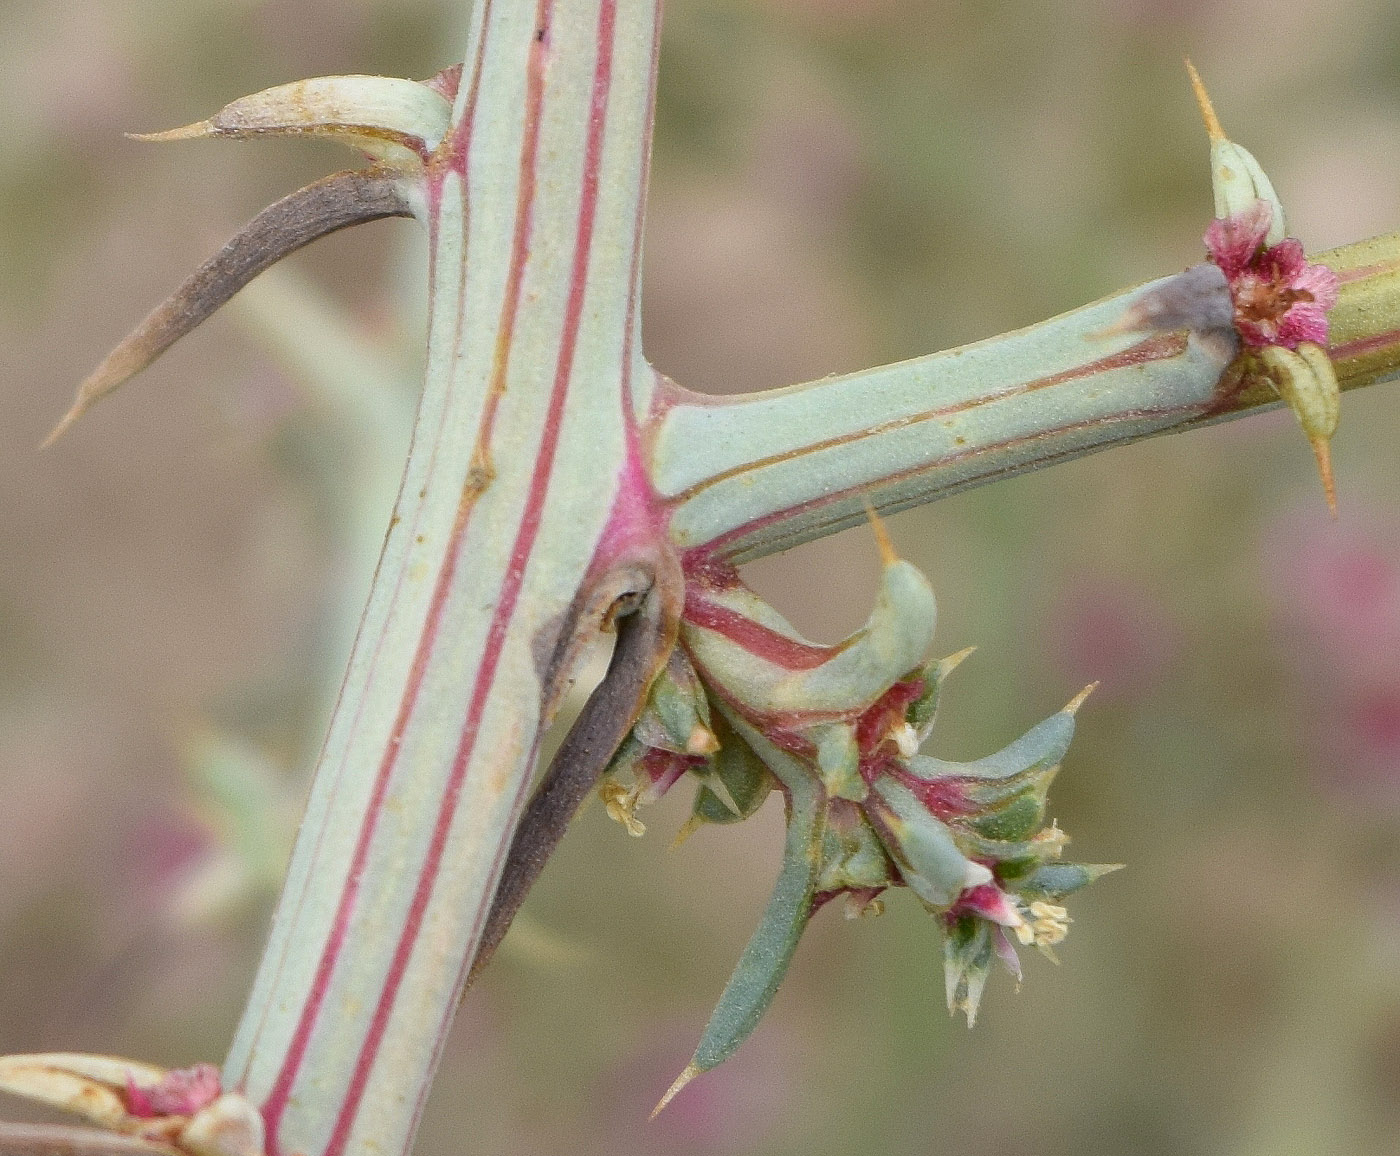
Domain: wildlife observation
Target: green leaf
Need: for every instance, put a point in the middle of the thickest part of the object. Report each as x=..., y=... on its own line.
x=1055, y=880
x=765, y=961
x=742, y=774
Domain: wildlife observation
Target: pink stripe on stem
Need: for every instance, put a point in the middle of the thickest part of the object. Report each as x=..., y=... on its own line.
x=510, y=593
x=757, y=639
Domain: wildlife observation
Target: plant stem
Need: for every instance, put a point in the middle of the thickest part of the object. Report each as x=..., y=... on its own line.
x=548, y=487
x=487, y=580
x=783, y=467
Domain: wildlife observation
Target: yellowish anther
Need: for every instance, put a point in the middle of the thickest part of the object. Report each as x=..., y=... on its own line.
x=870, y=909
x=1049, y=924
x=621, y=804
x=1203, y=99
x=197, y=131
x=701, y=741
x=882, y=538
x=691, y=1071
x=906, y=739
x=1072, y=707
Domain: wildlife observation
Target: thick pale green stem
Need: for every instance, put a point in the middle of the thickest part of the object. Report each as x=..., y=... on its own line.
x=529, y=509
x=751, y=475
x=518, y=457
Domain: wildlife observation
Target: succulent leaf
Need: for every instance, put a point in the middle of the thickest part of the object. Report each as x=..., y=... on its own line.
x=761, y=663
x=765, y=960
x=928, y=855
x=1043, y=746
x=742, y=773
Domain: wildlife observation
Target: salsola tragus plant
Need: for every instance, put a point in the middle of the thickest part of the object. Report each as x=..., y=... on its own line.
x=559, y=490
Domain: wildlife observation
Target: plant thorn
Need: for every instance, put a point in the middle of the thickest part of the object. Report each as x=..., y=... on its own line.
x=888, y=556
x=953, y=661
x=1072, y=707
x=197, y=131
x=691, y=1071
x=1203, y=99
x=688, y=828
x=1322, y=450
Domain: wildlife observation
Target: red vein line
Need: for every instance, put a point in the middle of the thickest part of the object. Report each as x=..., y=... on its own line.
x=277, y=1099
x=629, y=337
x=722, y=545
x=456, y=147
x=1362, y=272
x=756, y=638
x=1162, y=347
x=515, y=572
x=1364, y=345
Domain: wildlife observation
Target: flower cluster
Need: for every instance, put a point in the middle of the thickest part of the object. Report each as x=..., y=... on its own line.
x=746, y=705
x=1279, y=299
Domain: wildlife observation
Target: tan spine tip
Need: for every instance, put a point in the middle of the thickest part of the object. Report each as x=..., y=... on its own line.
x=1322, y=451
x=1077, y=701
x=682, y=1080
x=62, y=427
x=197, y=131
x=882, y=537
x=953, y=661
x=691, y=825
x=1203, y=99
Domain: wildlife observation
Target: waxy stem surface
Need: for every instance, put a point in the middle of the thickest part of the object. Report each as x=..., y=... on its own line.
x=511, y=540
x=556, y=484
x=552, y=474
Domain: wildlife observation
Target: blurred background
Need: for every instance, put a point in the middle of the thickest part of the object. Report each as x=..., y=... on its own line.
x=837, y=183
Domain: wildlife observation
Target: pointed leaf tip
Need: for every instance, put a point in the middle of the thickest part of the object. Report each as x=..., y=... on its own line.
x=888, y=556
x=688, y=828
x=1322, y=450
x=953, y=661
x=1072, y=707
x=1212, y=122
x=197, y=131
x=328, y=205
x=74, y=413
x=691, y=1071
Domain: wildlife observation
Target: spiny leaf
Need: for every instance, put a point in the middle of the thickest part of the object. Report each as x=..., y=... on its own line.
x=328, y=205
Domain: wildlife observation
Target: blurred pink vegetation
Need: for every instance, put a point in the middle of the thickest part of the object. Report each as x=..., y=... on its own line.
x=1336, y=592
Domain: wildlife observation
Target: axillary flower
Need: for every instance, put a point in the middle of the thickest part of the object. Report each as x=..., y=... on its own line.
x=747, y=706
x=1280, y=300
x=160, y=1112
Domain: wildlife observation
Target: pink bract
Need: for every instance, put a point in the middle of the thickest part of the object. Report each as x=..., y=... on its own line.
x=182, y=1092
x=1279, y=298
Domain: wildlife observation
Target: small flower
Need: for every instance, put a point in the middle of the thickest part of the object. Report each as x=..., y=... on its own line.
x=1279, y=298
x=180, y=1092
x=183, y=1110
x=1049, y=924
x=838, y=730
